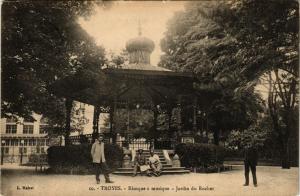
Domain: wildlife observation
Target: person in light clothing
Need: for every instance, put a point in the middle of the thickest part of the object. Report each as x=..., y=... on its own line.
x=155, y=164
x=140, y=164
x=99, y=161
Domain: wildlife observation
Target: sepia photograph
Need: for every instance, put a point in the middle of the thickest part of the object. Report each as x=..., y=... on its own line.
x=145, y=98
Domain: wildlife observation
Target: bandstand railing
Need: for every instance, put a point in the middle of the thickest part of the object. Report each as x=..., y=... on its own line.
x=131, y=144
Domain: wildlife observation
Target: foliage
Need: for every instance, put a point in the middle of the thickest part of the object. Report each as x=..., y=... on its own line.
x=200, y=155
x=42, y=43
x=266, y=30
x=265, y=139
x=140, y=123
x=268, y=35
x=79, y=119
x=117, y=60
x=73, y=156
x=253, y=136
x=196, y=42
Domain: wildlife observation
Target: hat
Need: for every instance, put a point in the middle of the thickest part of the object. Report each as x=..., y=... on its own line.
x=101, y=134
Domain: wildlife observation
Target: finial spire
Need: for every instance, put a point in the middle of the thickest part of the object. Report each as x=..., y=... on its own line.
x=139, y=28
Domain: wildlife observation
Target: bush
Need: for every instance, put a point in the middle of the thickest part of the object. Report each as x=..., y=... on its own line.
x=77, y=158
x=234, y=154
x=200, y=155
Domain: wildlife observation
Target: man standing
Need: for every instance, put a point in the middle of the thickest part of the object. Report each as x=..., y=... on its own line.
x=140, y=163
x=99, y=162
x=155, y=163
x=250, y=162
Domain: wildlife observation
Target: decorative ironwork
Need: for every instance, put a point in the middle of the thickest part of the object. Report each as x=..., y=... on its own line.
x=104, y=109
x=130, y=143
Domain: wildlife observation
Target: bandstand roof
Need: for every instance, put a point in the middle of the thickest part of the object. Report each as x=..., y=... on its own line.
x=144, y=66
x=138, y=81
x=126, y=85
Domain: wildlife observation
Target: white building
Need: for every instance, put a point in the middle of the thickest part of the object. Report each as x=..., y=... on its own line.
x=21, y=138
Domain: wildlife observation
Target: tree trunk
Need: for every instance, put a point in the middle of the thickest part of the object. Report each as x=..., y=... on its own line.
x=169, y=119
x=68, y=105
x=216, y=136
x=285, y=156
x=95, y=123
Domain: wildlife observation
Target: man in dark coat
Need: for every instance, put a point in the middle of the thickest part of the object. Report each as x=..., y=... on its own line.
x=250, y=162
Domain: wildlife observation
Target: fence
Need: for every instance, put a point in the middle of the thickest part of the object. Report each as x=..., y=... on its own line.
x=136, y=144
x=131, y=144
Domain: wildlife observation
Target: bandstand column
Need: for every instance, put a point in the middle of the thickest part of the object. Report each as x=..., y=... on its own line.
x=111, y=120
x=68, y=105
x=128, y=119
x=195, y=115
x=155, y=115
x=169, y=113
x=179, y=121
x=95, y=122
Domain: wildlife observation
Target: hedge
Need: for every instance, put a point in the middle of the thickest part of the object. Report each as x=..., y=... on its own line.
x=77, y=158
x=200, y=155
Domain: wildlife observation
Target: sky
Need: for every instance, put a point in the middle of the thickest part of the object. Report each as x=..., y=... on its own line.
x=112, y=27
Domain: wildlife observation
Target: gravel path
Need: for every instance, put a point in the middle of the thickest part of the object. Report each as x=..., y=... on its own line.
x=271, y=181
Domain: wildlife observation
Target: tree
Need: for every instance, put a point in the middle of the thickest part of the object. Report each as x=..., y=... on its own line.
x=118, y=60
x=268, y=35
x=195, y=42
x=41, y=44
x=140, y=123
x=282, y=104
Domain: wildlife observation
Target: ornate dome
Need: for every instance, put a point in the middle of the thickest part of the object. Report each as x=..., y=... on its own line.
x=140, y=43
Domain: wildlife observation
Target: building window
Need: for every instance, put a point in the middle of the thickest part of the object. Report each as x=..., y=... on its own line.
x=43, y=129
x=7, y=142
x=25, y=142
x=12, y=120
x=43, y=150
x=41, y=142
x=31, y=142
x=6, y=150
x=14, y=142
x=11, y=128
x=28, y=129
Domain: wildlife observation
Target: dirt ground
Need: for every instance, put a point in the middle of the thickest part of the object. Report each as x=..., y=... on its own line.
x=273, y=181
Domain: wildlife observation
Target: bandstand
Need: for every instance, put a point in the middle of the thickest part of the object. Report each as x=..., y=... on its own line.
x=138, y=84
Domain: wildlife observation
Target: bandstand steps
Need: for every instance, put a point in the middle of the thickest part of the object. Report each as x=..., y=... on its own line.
x=164, y=169
x=167, y=168
x=163, y=172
